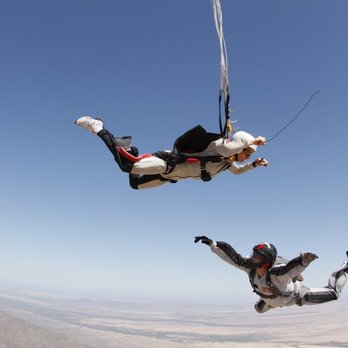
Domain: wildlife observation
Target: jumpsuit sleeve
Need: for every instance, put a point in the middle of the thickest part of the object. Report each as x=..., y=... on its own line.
x=240, y=169
x=291, y=270
x=229, y=255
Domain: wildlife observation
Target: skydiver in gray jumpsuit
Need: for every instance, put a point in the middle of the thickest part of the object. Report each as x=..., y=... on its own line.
x=153, y=170
x=279, y=283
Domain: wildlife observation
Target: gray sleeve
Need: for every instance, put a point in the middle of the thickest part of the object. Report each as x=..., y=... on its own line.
x=292, y=269
x=229, y=255
x=240, y=169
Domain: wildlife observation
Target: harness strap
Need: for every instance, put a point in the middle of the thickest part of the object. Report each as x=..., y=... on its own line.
x=275, y=291
x=172, y=161
x=205, y=175
x=193, y=159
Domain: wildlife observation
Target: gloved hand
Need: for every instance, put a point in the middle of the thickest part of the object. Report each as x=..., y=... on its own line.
x=307, y=258
x=260, y=162
x=204, y=240
x=259, y=141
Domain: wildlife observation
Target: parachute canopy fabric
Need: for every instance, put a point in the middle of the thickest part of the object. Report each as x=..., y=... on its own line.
x=224, y=83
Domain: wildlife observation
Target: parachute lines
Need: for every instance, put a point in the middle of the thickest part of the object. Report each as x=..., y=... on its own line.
x=295, y=117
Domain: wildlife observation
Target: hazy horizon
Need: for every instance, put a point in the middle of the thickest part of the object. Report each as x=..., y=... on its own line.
x=40, y=320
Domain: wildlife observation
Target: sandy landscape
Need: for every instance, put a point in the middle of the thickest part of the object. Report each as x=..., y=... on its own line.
x=37, y=320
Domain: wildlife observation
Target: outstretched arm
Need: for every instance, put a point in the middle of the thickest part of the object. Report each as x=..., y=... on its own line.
x=295, y=266
x=225, y=252
x=243, y=168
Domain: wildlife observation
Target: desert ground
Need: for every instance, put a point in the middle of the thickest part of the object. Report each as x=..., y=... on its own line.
x=41, y=320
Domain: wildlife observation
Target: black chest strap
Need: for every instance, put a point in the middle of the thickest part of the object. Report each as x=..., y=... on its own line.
x=275, y=292
x=203, y=160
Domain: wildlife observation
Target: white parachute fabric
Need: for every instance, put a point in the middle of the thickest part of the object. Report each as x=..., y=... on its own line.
x=224, y=83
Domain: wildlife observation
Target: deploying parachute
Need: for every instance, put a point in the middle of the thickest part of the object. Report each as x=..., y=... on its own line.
x=224, y=92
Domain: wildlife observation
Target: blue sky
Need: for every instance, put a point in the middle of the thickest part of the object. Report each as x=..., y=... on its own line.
x=68, y=219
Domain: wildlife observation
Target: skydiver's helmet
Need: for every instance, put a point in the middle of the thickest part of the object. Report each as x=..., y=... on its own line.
x=242, y=138
x=264, y=255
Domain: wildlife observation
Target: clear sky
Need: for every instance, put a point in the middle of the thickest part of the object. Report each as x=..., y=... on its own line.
x=68, y=219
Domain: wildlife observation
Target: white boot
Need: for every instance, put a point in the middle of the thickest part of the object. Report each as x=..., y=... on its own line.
x=94, y=125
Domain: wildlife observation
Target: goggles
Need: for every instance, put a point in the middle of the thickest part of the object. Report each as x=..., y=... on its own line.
x=248, y=152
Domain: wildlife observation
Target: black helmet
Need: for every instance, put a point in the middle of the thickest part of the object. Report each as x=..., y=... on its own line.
x=267, y=252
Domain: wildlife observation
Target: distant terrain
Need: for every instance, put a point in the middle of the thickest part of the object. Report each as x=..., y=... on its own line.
x=19, y=333
x=32, y=320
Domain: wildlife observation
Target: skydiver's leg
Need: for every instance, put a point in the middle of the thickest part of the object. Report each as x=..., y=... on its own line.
x=139, y=182
x=149, y=166
x=261, y=306
x=331, y=292
x=111, y=142
x=152, y=165
x=96, y=127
